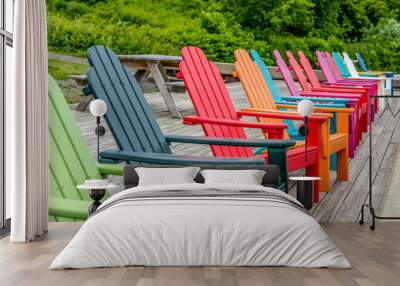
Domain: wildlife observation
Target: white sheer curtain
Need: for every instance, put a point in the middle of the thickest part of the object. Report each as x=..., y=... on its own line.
x=26, y=127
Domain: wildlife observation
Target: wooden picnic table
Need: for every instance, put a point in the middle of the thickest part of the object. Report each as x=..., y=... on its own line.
x=162, y=69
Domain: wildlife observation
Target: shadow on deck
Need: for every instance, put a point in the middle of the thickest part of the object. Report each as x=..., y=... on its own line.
x=341, y=204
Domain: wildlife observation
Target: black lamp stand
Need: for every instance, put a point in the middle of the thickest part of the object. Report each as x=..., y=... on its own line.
x=303, y=131
x=100, y=131
x=370, y=202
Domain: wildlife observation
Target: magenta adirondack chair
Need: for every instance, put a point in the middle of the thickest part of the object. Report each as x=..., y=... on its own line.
x=353, y=103
x=361, y=111
x=330, y=71
x=215, y=111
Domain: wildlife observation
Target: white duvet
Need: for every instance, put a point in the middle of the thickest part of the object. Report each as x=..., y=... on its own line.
x=202, y=231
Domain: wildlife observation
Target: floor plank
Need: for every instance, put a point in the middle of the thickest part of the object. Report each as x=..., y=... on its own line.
x=375, y=258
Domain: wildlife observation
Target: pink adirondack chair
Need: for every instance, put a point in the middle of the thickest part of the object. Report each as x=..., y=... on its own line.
x=332, y=76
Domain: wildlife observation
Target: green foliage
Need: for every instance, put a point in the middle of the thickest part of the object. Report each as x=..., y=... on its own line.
x=293, y=17
x=219, y=27
x=61, y=69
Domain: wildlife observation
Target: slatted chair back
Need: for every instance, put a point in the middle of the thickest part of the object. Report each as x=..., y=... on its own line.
x=292, y=129
x=70, y=161
x=308, y=69
x=325, y=67
x=128, y=115
x=361, y=62
x=350, y=65
x=210, y=99
x=254, y=85
x=336, y=62
x=298, y=71
x=287, y=76
x=266, y=75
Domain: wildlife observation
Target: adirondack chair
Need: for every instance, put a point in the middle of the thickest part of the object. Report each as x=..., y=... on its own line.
x=139, y=137
x=70, y=162
x=365, y=69
x=260, y=99
x=315, y=84
x=354, y=99
x=330, y=71
x=343, y=66
x=361, y=62
x=342, y=75
x=385, y=83
x=212, y=103
x=367, y=73
x=372, y=85
x=318, y=106
x=307, y=86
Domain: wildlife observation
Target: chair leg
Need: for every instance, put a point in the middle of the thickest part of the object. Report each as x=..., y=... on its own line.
x=312, y=171
x=342, y=170
x=352, y=135
x=324, y=173
x=365, y=121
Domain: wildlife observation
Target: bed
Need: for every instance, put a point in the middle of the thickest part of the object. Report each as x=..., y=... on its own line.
x=197, y=224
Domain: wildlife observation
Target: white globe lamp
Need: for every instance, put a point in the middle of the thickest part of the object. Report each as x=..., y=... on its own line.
x=98, y=108
x=305, y=108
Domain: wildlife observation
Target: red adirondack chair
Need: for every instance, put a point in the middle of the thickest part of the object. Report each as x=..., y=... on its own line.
x=360, y=105
x=218, y=117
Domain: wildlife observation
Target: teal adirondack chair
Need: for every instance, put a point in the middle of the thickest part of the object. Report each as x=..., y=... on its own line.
x=136, y=131
x=337, y=57
x=70, y=162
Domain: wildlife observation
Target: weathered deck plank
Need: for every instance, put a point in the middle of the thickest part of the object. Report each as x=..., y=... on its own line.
x=342, y=203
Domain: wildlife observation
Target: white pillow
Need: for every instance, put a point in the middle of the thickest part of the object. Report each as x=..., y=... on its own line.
x=247, y=177
x=166, y=176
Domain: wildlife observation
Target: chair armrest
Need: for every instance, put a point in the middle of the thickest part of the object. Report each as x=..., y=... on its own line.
x=230, y=141
x=275, y=130
x=110, y=169
x=87, y=91
x=266, y=113
x=338, y=90
x=77, y=209
x=345, y=86
x=169, y=159
x=323, y=109
x=338, y=95
x=281, y=103
x=318, y=99
x=371, y=74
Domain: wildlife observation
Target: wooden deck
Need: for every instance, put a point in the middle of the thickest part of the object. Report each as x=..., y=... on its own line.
x=341, y=204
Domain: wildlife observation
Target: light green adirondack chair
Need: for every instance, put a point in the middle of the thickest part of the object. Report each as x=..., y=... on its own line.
x=70, y=162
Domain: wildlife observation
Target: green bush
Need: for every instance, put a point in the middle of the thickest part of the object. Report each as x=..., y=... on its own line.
x=220, y=27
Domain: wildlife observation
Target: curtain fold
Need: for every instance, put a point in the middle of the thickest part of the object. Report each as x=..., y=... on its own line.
x=26, y=124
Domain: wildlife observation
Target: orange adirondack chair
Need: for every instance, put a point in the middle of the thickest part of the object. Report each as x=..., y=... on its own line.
x=260, y=99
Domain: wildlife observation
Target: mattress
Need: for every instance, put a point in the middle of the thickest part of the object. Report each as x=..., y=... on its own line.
x=201, y=225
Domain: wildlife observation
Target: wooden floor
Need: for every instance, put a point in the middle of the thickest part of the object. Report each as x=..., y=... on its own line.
x=375, y=258
x=341, y=204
